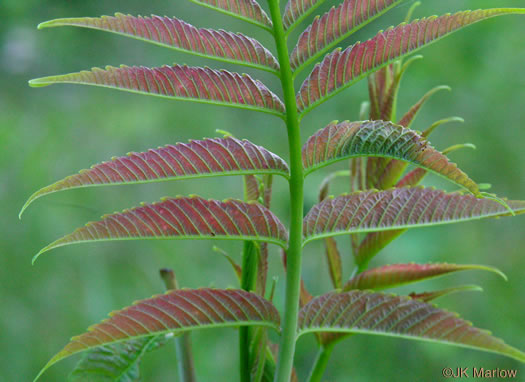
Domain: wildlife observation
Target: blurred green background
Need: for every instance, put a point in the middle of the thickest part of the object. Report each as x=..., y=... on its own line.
x=48, y=133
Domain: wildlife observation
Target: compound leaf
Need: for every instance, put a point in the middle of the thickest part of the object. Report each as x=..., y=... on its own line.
x=247, y=10
x=345, y=140
x=396, y=316
x=117, y=362
x=204, y=85
x=196, y=159
x=341, y=69
x=389, y=276
x=176, y=312
x=399, y=208
x=334, y=26
x=176, y=34
x=183, y=218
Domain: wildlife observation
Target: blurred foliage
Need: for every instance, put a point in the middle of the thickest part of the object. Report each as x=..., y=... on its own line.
x=46, y=134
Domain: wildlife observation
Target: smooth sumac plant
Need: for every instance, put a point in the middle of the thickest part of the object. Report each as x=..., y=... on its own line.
x=384, y=200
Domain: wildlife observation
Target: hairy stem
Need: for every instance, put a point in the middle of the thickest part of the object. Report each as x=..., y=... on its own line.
x=249, y=273
x=320, y=363
x=293, y=273
x=183, y=342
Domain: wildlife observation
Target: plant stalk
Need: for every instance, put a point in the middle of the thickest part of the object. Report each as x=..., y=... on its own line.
x=320, y=363
x=182, y=342
x=294, y=252
x=249, y=275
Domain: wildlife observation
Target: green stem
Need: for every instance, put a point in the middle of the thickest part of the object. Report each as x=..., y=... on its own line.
x=249, y=273
x=320, y=363
x=293, y=273
x=182, y=342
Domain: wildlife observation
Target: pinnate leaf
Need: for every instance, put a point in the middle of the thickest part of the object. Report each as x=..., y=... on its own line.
x=203, y=85
x=183, y=218
x=341, y=69
x=118, y=362
x=177, y=311
x=248, y=10
x=196, y=159
x=334, y=26
x=179, y=35
x=399, y=208
x=396, y=316
x=340, y=141
x=389, y=276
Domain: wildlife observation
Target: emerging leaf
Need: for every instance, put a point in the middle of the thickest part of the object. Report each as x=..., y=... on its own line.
x=399, y=208
x=430, y=296
x=175, y=312
x=203, y=85
x=372, y=243
x=341, y=69
x=389, y=276
x=339, y=141
x=335, y=266
x=196, y=159
x=115, y=363
x=334, y=26
x=183, y=218
x=247, y=10
x=174, y=33
x=396, y=316
x=408, y=118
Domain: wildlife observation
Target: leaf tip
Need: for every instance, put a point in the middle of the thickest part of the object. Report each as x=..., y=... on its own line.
x=45, y=24
x=39, y=82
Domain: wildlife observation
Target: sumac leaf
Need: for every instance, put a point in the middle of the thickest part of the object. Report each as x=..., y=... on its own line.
x=345, y=140
x=196, y=159
x=183, y=218
x=177, y=311
x=203, y=85
x=247, y=10
x=117, y=362
x=336, y=25
x=341, y=69
x=398, y=208
x=396, y=316
x=176, y=34
x=389, y=276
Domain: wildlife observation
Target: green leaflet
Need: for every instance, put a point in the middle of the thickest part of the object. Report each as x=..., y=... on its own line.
x=115, y=363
